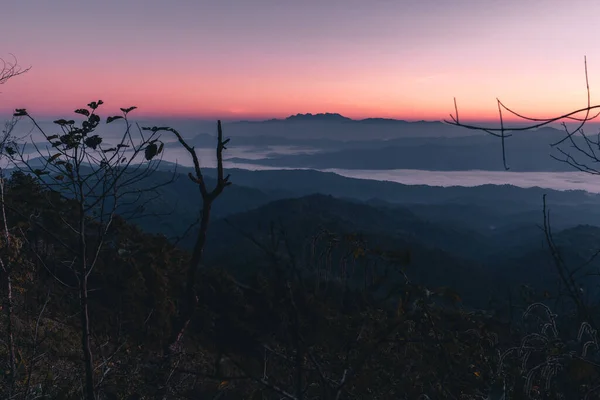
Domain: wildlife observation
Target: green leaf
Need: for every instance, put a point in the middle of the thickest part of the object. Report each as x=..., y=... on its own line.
x=160, y=148
x=20, y=112
x=151, y=151
x=49, y=138
x=94, y=105
x=10, y=151
x=128, y=110
x=93, y=141
x=39, y=172
x=66, y=139
x=83, y=111
x=54, y=157
x=61, y=122
x=94, y=119
x=111, y=119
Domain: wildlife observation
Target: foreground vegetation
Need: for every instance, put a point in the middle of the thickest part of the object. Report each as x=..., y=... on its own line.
x=280, y=333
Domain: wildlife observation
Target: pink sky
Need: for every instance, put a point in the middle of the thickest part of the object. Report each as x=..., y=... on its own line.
x=272, y=58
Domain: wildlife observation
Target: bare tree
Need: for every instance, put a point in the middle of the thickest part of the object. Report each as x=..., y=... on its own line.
x=10, y=246
x=208, y=196
x=8, y=71
x=583, y=156
x=583, y=145
x=580, y=151
x=190, y=297
x=79, y=166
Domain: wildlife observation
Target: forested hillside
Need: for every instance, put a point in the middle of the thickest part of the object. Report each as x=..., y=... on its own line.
x=131, y=280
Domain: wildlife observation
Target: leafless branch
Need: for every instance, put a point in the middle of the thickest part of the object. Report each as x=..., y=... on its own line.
x=10, y=69
x=207, y=198
x=586, y=148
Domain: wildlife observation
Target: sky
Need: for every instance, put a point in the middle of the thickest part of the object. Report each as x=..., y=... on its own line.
x=255, y=59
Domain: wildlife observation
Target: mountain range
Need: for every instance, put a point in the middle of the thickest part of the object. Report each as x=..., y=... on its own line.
x=475, y=239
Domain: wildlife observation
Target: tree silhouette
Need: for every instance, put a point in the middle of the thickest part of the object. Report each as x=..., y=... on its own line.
x=582, y=154
x=79, y=166
x=208, y=196
x=583, y=145
x=8, y=70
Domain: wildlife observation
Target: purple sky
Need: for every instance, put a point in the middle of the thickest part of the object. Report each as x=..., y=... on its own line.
x=259, y=58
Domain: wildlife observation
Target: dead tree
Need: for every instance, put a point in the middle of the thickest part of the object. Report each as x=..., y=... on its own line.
x=81, y=168
x=208, y=196
x=584, y=155
x=10, y=248
x=8, y=71
x=583, y=145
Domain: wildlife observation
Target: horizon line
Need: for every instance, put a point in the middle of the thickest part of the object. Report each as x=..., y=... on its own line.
x=46, y=117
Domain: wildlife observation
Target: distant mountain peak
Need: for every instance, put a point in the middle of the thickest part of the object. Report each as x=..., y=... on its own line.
x=336, y=117
x=318, y=117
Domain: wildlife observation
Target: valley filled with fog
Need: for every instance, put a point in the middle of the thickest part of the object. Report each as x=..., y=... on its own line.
x=412, y=153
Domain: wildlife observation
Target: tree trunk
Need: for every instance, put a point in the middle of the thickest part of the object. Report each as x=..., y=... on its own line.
x=191, y=299
x=10, y=331
x=85, y=341
x=9, y=294
x=85, y=320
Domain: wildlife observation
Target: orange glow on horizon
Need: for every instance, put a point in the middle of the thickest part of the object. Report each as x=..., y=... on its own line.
x=403, y=60
x=57, y=92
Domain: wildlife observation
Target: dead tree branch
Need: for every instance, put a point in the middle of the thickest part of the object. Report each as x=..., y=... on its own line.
x=208, y=196
x=10, y=69
x=583, y=145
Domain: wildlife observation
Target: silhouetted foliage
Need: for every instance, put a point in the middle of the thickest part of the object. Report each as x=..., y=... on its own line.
x=78, y=167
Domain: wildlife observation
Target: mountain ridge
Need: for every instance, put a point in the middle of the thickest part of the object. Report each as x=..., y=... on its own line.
x=334, y=117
